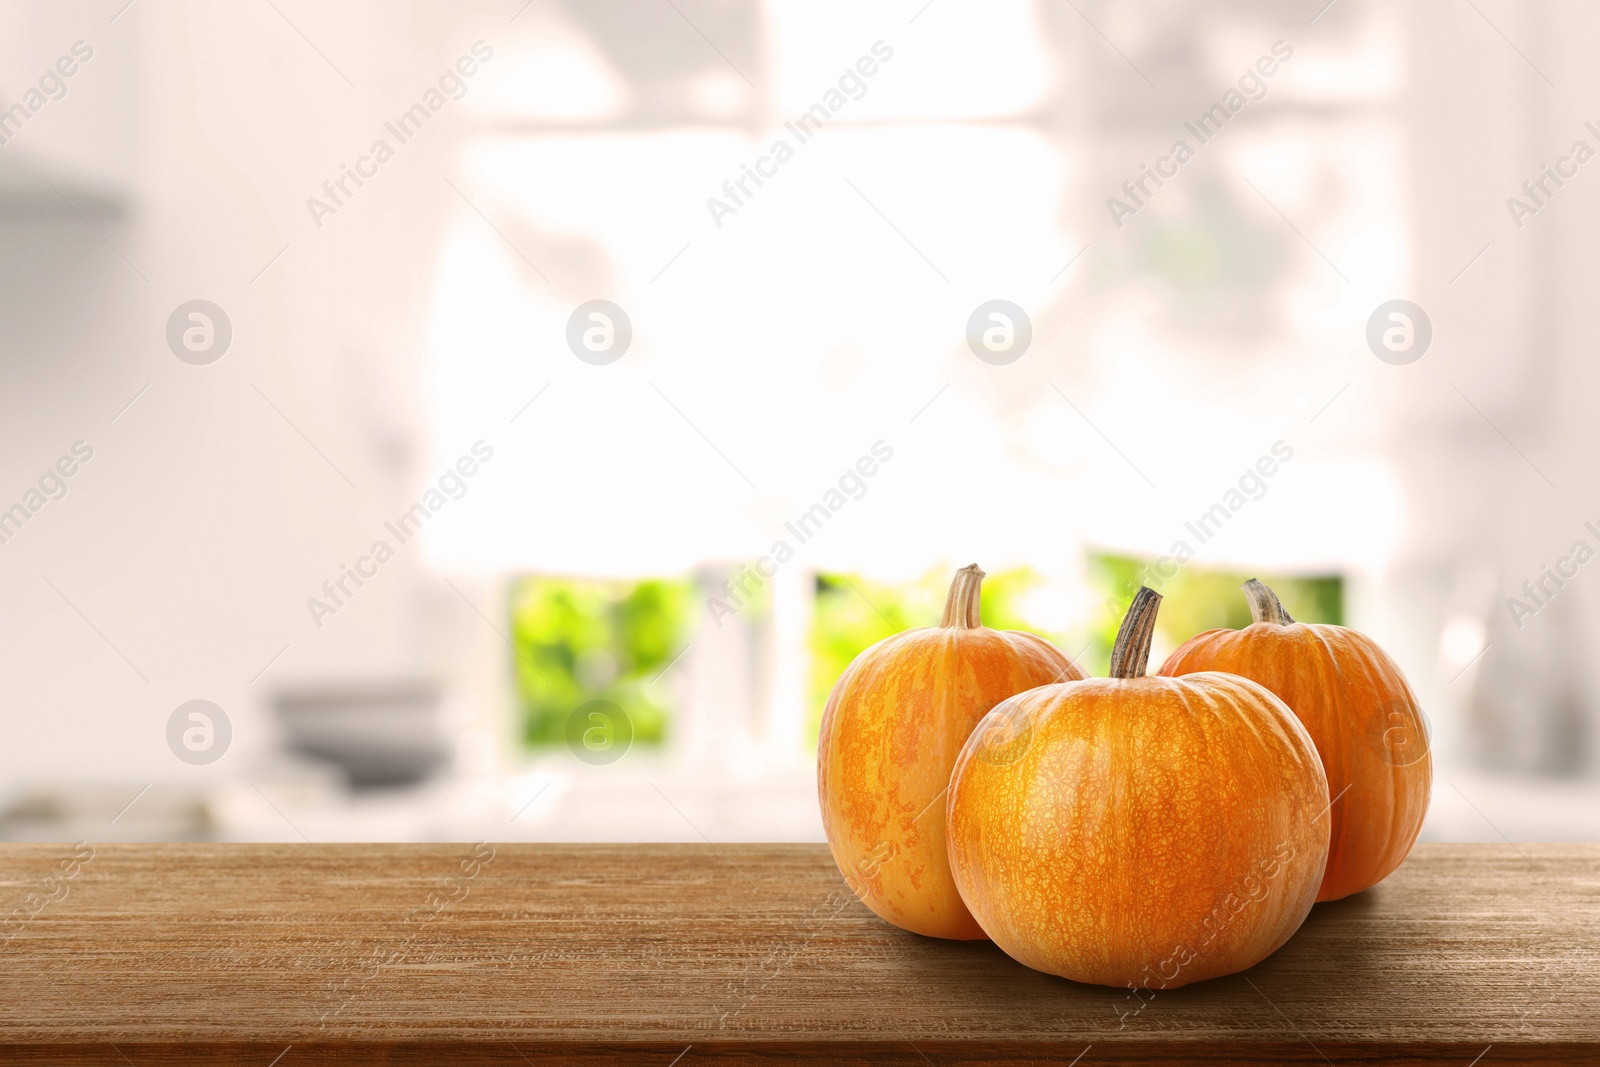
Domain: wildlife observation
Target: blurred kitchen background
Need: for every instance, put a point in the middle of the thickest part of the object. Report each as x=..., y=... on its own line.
x=576, y=636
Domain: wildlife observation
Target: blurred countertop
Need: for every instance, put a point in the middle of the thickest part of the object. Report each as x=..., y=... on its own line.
x=555, y=801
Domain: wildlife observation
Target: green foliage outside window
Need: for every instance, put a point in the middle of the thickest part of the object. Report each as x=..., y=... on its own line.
x=1196, y=599
x=580, y=640
x=853, y=613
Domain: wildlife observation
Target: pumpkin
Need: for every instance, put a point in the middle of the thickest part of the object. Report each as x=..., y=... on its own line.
x=1360, y=712
x=1138, y=831
x=890, y=733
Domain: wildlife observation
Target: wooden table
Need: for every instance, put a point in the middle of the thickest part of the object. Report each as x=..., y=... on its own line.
x=733, y=954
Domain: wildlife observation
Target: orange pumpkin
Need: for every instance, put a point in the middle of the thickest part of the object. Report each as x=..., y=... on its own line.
x=1360, y=712
x=890, y=733
x=1135, y=831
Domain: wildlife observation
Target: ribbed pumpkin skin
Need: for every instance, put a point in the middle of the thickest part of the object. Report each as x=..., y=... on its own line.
x=1360, y=712
x=890, y=734
x=1145, y=832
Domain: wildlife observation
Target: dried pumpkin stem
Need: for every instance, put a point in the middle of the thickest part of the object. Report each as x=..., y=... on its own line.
x=1131, y=654
x=1264, y=604
x=961, y=606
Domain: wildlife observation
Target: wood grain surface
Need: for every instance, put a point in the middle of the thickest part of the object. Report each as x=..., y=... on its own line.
x=513, y=954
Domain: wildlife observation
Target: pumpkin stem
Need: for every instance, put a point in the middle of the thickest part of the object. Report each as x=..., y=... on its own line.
x=1264, y=605
x=961, y=606
x=1131, y=654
